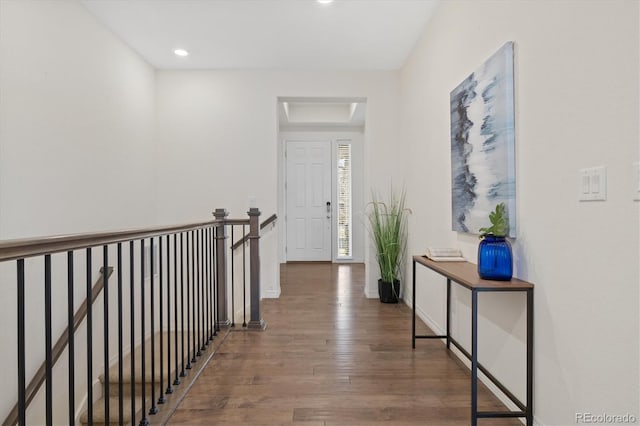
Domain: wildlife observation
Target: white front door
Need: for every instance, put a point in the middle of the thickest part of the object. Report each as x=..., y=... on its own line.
x=308, y=194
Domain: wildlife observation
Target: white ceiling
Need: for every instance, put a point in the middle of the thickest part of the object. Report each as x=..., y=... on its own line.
x=268, y=34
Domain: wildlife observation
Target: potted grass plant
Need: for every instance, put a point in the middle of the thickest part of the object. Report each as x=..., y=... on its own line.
x=388, y=226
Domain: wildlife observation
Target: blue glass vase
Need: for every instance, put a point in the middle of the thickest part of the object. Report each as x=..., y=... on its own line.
x=495, y=260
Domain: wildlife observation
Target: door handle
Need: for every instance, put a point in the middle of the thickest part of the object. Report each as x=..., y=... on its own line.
x=328, y=209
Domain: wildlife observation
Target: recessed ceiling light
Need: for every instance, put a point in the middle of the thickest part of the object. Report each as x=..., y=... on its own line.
x=324, y=1
x=180, y=52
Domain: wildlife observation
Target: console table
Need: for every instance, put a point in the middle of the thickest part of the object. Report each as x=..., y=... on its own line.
x=465, y=274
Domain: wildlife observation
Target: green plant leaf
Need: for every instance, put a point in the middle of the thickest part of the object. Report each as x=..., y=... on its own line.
x=499, y=222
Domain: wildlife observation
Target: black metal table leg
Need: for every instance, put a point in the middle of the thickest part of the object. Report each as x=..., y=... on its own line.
x=448, y=313
x=413, y=309
x=529, y=410
x=474, y=358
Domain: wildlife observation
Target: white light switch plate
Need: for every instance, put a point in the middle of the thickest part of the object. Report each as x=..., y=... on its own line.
x=593, y=184
x=636, y=181
x=599, y=183
x=585, y=185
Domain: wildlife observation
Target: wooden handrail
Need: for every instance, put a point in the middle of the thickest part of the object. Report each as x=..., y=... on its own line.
x=263, y=225
x=61, y=344
x=29, y=247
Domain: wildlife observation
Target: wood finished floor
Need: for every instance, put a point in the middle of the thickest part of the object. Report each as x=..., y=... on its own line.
x=332, y=357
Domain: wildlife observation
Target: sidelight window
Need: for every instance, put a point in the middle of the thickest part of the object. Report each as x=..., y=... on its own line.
x=345, y=237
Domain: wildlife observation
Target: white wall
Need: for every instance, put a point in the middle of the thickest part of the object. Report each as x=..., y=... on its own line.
x=576, y=106
x=76, y=155
x=219, y=130
x=76, y=120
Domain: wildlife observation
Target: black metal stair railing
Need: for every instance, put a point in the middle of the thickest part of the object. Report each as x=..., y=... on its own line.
x=176, y=303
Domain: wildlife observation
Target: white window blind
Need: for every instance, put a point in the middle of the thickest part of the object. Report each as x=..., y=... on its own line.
x=344, y=201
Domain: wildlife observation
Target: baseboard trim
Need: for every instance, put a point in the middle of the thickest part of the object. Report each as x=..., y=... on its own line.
x=271, y=294
x=371, y=293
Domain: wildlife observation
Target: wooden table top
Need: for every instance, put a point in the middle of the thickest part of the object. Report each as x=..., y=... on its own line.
x=466, y=274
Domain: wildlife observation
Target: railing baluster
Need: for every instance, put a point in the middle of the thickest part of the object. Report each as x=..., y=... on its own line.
x=216, y=316
x=212, y=279
x=48, y=340
x=203, y=332
x=188, y=304
x=143, y=386
x=244, y=277
x=120, y=338
x=154, y=408
x=161, y=399
x=133, y=328
x=168, y=243
x=89, y=339
x=210, y=265
x=22, y=403
x=176, y=381
x=71, y=340
x=182, y=330
x=233, y=283
x=189, y=253
x=200, y=295
x=105, y=299
x=194, y=256
x=207, y=308
x=197, y=298
x=190, y=297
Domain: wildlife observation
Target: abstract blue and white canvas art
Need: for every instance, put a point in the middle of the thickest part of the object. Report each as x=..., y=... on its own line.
x=483, y=144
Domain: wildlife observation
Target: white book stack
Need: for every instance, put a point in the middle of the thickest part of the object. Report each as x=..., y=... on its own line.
x=445, y=255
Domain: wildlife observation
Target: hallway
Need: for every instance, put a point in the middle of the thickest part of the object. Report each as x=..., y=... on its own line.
x=330, y=356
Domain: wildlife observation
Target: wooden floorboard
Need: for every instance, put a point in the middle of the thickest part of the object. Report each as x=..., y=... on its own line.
x=332, y=357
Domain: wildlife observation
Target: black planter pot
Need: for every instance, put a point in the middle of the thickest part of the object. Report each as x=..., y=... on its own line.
x=387, y=293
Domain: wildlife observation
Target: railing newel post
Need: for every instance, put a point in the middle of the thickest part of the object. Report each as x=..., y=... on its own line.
x=256, y=322
x=221, y=262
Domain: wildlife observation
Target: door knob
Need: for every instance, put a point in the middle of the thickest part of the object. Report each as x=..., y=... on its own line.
x=328, y=209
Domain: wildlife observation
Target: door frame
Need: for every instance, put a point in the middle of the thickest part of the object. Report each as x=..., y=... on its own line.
x=358, y=228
